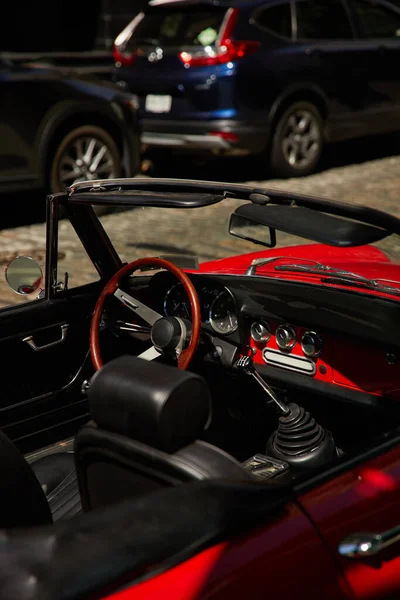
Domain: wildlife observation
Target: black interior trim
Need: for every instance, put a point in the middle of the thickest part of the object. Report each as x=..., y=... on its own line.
x=145, y=198
x=316, y=226
x=56, y=392
x=341, y=312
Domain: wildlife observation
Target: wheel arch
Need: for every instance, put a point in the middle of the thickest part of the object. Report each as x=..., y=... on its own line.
x=297, y=93
x=61, y=122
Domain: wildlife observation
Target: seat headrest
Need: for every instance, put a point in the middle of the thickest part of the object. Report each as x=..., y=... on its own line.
x=156, y=404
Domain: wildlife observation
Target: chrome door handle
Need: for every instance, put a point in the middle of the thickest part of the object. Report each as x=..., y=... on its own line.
x=368, y=544
x=29, y=340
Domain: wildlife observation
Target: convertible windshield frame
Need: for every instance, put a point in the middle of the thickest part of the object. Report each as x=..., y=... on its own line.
x=181, y=193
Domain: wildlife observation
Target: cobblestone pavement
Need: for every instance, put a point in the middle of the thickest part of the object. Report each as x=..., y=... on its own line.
x=374, y=183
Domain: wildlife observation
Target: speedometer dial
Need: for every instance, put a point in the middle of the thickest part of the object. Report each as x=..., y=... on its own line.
x=176, y=303
x=223, y=317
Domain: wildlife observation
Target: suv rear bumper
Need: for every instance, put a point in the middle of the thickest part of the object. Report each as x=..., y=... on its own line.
x=225, y=136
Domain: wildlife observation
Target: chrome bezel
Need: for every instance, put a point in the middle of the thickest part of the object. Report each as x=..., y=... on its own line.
x=292, y=332
x=264, y=338
x=290, y=362
x=171, y=289
x=318, y=338
x=211, y=320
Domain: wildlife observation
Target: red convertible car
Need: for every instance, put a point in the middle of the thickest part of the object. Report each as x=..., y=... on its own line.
x=203, y=409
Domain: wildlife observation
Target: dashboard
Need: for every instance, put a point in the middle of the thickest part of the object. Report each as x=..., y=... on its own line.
x=291, y=328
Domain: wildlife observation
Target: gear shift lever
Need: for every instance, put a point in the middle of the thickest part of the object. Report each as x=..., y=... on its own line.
x=246, y=364
x=299, y=439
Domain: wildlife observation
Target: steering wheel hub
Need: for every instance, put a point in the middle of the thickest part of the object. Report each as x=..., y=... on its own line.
x=166, y=334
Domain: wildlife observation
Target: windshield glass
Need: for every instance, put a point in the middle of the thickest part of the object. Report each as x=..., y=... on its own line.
x=167, y=26
x=177, y=27
x=201, y=232
x=204, y=233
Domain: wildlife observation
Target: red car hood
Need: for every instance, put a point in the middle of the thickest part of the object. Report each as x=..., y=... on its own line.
x=367, y=261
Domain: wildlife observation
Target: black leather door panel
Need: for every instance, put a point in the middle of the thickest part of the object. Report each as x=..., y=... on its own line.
x=41, y=389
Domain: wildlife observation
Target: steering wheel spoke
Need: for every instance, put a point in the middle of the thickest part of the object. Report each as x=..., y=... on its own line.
x=145, y=312
x=150, y=354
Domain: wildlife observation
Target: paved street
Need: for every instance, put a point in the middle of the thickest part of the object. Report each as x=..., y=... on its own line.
x=375, y=183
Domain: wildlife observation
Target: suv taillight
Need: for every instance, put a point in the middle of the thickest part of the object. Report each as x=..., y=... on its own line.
x=120, y=53
x=125, y=59
x=226, y=50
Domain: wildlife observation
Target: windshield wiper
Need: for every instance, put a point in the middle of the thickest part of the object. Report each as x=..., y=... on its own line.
x=362, y=282
x=329, y=274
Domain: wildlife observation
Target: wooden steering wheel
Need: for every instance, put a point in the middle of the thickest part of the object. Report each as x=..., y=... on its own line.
x=168, y=334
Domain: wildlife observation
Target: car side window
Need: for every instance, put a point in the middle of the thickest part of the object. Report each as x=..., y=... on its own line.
x=376, y=20
x=275, y=18
x=322, y=20
x=72, y=258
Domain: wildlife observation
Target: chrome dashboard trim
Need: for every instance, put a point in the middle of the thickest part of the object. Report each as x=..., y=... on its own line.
x=274, y=358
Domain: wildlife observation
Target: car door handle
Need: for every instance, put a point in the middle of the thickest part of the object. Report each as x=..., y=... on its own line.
x=368, y=544
x=30, y=341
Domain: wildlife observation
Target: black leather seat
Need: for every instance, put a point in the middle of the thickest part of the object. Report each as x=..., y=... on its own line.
x=37, y=493
x=57, y=476
x=147, y=418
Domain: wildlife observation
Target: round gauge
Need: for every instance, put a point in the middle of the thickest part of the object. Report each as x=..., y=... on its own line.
x=260, y=332
x=285, y=337
x=176, y=303
x=223, y=317
x=311, y=344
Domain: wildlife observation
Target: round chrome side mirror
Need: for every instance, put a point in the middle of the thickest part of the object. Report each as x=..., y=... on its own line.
x=24, y=275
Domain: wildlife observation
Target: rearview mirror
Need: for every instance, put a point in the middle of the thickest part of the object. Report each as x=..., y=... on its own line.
x=24, y=275
x=246, y=229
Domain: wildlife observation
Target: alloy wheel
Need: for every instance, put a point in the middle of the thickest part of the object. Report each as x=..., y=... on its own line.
x=301, y=139
x=86, y=158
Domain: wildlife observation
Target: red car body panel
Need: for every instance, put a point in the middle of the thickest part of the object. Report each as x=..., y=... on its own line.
x=365, y=499
x=367, y=261
x=291, y=558
x=271, y=562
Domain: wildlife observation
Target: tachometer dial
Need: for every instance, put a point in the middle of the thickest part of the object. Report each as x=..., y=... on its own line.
x=223, y=317
x=176, y=303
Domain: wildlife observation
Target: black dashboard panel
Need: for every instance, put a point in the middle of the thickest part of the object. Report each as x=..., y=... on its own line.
x=346, y=312
x=344, y=321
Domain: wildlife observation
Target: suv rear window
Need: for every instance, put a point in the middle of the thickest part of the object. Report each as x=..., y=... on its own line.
x=185, y=26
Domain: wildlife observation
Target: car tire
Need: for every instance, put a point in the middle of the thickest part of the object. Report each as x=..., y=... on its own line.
x=70, y=160
x=297, y=141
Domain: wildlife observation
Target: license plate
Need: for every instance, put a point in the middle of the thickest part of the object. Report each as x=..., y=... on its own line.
x=158, y=104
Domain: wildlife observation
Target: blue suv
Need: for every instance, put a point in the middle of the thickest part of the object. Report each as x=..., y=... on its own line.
x=269, y=77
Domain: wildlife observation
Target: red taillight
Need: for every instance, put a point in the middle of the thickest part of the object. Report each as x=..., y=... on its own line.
x=225, y=135
x=229, y=51
x=226, y=50
x=125, y=59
